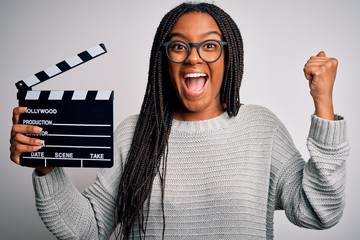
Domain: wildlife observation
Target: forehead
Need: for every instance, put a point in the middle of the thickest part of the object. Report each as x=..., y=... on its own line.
x=195, y=24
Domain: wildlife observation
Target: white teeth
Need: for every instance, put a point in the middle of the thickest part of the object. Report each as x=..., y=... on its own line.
x=194, y=75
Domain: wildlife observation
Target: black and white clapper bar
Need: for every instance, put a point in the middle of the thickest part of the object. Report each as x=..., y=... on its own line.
x=77, y=126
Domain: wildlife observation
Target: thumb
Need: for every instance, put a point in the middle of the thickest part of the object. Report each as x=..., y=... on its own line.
x=321, y=54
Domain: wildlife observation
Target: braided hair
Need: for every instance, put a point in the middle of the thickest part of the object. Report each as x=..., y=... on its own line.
x=148, y=152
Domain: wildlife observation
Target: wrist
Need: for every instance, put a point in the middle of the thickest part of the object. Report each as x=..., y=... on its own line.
x=324, y=109
x=42, y=171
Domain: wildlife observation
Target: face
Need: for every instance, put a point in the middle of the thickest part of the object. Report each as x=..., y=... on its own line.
x=196, y=82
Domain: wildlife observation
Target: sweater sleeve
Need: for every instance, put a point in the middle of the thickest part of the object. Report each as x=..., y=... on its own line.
x=63, y=209
x=312, y=192
x=70, y=214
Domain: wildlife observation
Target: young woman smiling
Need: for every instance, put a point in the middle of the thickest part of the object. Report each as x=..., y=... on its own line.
x=195, y=163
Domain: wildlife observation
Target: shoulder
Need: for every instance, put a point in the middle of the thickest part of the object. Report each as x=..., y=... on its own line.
x=256, y=112
x=127, y=127
x=129, y=121
x=256, y=118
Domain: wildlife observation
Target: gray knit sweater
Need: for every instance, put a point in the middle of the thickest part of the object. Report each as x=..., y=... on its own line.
x=225, y=178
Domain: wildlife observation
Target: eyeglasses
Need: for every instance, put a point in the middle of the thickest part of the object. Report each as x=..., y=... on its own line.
x=209, y=50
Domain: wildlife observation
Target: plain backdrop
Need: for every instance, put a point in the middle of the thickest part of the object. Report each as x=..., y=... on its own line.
x=279, y=37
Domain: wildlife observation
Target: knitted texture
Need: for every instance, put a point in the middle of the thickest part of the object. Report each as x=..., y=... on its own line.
x=225, y=178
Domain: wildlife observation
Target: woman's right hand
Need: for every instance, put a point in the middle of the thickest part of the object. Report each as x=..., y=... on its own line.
x=20, y=143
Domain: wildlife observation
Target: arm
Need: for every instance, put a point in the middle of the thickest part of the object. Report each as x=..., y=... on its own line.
x=67, y=213
x=312, y=192
x=59, y=203
x=64, y=210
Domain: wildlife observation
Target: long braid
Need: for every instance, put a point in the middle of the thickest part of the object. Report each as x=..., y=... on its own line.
x=234, y=64
x=148, y=152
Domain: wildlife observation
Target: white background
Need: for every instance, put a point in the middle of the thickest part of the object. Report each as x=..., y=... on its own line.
x=279, y=37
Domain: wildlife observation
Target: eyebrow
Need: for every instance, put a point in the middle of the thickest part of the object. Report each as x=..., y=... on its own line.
x=203, y=34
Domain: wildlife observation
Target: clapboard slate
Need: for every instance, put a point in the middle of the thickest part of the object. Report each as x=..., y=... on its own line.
x=77, y=125
x=61, y=67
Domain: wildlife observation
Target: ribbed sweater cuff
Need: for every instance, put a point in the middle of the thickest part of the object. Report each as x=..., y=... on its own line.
x=51, y=183
x=326, y=132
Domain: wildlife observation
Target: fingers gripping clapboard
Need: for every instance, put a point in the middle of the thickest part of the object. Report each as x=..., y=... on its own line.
x=77, y=124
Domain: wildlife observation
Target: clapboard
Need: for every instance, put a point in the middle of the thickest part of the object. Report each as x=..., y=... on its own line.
x=77, y=125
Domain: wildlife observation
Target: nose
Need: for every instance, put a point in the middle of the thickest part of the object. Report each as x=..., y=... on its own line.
x=194, y=57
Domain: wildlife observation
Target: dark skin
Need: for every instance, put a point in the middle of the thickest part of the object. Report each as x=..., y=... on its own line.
x=203, y=103
x=21, y=143
x=319, y=70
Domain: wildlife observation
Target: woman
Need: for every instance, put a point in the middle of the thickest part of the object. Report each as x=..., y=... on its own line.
x=195, y=163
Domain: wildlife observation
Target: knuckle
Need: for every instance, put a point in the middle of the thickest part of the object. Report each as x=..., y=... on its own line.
x=29, y=148
x=334, y=61
x=324, y=67
x=306, y=66
x=16, y=137
x=31, y=141
x=11, y=148
x=15, y=110
x=16, y=113
x=329, y=65
x=16, y=148
x=14, y=128
x=14, y=158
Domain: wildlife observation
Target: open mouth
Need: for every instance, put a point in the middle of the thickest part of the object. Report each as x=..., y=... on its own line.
x=195, y=82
